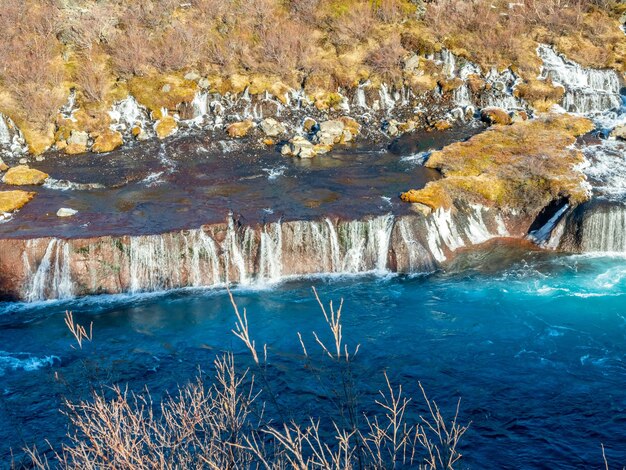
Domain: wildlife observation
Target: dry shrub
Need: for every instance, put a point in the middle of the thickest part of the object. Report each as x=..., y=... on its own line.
x=92, y=78
x=393, y=11
x=223, y=425
x=30, y=59
x=386, y=60
x=284, y=47
x=176, y=48
x=304, y=10
x=353, y=25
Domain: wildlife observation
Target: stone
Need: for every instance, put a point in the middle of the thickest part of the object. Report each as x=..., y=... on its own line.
x=412, y=63
x=619, y=132
x=241, y=129
x=493, y=115
x=78, y=138
x=107, y=141
x=40, y=158
x=22, y=175
x=23, y=161
x=351, y=125
x=309, y=124
x=299, y=147
x=330, y=133
x=3, y=166
x=75, y=149
x=66, y=212
x=192, y=76
x=166, y=88
x=519, y=116
x=204, y=83
x=269, y=142
x=442, y=125
x=272, y=128
x=165, y=127
x=11, y=201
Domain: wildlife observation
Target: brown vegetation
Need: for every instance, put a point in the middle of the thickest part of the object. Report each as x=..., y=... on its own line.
x=523, y=166
x=104, y=49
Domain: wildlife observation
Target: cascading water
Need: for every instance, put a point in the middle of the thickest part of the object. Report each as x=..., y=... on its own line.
x=586, y=90
x=127, y=113
x=51, y=279
x=234, y=253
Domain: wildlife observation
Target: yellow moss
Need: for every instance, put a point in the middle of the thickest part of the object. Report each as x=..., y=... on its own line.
x=152, y=91
x=38, y=140
x=107, y=141
x=165, y=127
x=239, y=129
x=22, y=175
x=540, y=94
x=11, y=201
x=526, y=164
x=73, y=149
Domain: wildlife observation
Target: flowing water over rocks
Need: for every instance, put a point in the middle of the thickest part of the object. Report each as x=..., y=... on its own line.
x=231, y=252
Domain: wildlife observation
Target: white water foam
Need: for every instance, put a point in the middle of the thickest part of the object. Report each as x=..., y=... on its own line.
x=24, y=361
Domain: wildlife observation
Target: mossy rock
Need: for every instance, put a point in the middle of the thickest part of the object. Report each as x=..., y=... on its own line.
x=165, y=127
x=157, y=92
x=107, y=141
x=22, y=175
x=523, y=166
x=10, y=201
x=239, y=130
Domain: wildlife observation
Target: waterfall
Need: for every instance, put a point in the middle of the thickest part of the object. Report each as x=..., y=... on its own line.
x=543, y=236
x=586, y=90
x=233, y=252
x=11, y=139
x=200, y=106
x=204, y=264
x=127, y=114
x=604, y=230
x=271, y=249
x=156, y=263
x=52, y=278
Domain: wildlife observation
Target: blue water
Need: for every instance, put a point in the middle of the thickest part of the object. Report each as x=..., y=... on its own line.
x=534, y=344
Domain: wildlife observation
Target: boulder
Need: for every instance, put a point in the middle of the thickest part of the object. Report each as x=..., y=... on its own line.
x=330, y=133
x=299, y=147
x=22, y=175
x=74, y=149
x=204, y=83
x=309, y=124
x=192, y=76
x=11, y=201
x=66, y=212
x=350, y=125
x=165, y=127
x=272, y=128
x=3, y=166
x=241, y=129
x=519, y=116
x=493, y=115
x=78, y=138
x=619, y=132
x=107, y=141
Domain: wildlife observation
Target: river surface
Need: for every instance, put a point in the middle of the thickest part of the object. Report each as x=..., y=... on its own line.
x=194, y=180
x=533, y=343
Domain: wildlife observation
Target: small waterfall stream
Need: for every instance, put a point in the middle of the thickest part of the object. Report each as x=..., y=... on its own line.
x=586, y=90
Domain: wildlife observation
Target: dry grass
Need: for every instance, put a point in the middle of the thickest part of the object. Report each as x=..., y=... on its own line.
x=221, y=423
x=47, y=47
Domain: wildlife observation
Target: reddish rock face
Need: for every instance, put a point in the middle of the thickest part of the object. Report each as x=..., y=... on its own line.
x=216, y=254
